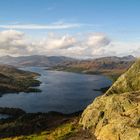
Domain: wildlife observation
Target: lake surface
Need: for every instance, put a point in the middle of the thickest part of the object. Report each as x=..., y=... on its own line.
x=4, y=116
x=61, y=91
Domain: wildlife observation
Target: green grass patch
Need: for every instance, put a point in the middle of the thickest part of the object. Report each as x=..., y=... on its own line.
x=60, y=133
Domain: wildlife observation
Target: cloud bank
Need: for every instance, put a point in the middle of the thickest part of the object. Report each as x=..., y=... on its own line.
x=16, y=43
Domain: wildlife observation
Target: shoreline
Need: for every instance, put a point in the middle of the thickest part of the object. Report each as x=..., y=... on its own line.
x=23, y=124
x=16, y=112
x=113, y=76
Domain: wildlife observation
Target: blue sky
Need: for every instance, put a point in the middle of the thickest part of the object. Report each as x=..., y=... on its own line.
x=118, y=19
x=110, y=16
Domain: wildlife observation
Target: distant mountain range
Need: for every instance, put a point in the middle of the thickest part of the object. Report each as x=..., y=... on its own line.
x=35, y=60
x=111, y=66
x=115, y=58
x=106, y=65
x=41, y=60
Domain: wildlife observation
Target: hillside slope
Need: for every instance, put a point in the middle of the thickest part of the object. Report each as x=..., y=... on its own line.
x=112, y=66
x=15, y=80
x=116, y=114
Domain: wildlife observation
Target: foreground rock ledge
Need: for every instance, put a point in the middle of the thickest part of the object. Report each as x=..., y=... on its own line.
x=116, y=114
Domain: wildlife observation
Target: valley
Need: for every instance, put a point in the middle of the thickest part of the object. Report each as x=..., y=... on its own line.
x=33, y=120
x=111, y=66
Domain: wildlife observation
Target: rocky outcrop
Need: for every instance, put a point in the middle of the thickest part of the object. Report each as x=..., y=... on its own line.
x=116, y=114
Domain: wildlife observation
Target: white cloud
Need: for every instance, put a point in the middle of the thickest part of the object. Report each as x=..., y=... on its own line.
x=17, y=43
x=98, y=40
x=10, y=36
x=57, y=42
x=127, y=48
x=13, y=42
x=39, y=26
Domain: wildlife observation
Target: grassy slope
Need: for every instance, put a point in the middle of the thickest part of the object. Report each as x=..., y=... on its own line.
x=62, y=132
x=67, y=131
x=41, y=126
x=70, y=130
x=127, y=82
x=38, y=126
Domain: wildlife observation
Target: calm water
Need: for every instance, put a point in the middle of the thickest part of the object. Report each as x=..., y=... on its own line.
x=4, y=116
x=61, y=91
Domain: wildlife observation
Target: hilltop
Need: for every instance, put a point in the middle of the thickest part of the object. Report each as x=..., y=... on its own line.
x=116, y=114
